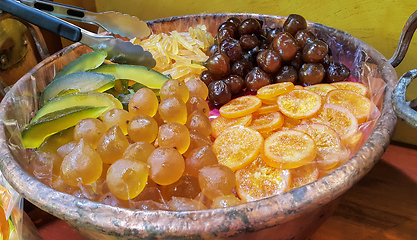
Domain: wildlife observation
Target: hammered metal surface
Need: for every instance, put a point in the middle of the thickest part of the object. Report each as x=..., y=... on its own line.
x=292, y=215
x=401, y=107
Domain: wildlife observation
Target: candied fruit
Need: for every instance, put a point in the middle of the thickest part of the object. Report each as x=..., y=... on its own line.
x=83, y=165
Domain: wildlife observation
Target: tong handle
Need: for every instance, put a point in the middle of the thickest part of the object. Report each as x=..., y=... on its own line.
x=43, y=20
x=404, y=41
x=48, y=5
x=61, y=10
x=399, y=104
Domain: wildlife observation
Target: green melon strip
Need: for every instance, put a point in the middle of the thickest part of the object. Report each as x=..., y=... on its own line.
x=85, y=62
x=37, y=131
x=89, y=98
x=77, y=82
x=146, y=76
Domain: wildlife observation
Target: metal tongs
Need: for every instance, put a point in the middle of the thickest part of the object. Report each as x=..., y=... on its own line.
x=115, y=22
x=117, y=50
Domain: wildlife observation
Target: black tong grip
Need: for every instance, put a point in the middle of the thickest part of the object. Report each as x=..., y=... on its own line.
x=41, y=19
x=49, y=6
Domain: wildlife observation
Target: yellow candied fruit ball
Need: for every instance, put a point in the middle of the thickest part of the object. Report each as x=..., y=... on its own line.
x=166, y=165
x=127, y=178
x=144, y=101
x=173, y=109
x=174, y=88
x=139, y=151
x=112, y=145
x=174, y=135
x=198, y=88
x=117, y=116
x=83, y=165
x=142, y=128
x=216, y=180
x=199, y=122
x=90, y=129
x=198, y=104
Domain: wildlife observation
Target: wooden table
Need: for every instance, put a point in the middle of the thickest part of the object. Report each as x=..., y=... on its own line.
x=382, y=206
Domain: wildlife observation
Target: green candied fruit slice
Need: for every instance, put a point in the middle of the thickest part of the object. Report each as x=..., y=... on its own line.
x=77, y=82
x=37, y=131
x=88, y=98
x=85, y=62
x=146, y=76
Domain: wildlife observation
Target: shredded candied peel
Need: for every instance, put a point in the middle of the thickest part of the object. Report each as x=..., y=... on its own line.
x=175, y=51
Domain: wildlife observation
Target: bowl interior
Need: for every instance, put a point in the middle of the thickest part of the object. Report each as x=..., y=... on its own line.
x=20, y=104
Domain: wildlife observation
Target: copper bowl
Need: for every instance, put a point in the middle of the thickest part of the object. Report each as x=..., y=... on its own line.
x=295, y=214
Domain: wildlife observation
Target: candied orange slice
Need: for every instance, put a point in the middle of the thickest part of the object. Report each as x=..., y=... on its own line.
x=290, y=122
x=266, y=134
x=304, y=175
x=221, y=123
x=272, y=91
x=323, y=173
x=258, y=181
x=267, y=122
x=299, y=104
x=298, y=87
x=267, y=108
x=358, y=104
x=327, y=141
x=270, y=101
x=288, y=149
x=321, y=89
x=352, y=86
x=237, y=146
x=240, y=106
x=337, y=117
x=353, y=141
x=344, y=157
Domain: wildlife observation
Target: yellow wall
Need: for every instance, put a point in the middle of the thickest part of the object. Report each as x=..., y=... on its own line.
x=377, y=22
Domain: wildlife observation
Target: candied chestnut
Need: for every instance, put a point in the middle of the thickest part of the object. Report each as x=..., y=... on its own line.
x=235, y=83
x=212, y=50
x=219, y=93
x=241, y=67
x=311, y=73
x=269, y=60
x=337, y=72
x=315, y=51
x=327, y=60
x=297, y=61
x=231, y=48
x=293, y=23
x=218, y=64
x=251, y=55
x=228, y=25
x=263, y=44
x=285, y=45
x=303, y=37
x=256, y=79
x=249, y=26
x=224, y=33
x=271, y=33
x=207, y=77
x=236, y=21
x=249, y=42
x=286, y=74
